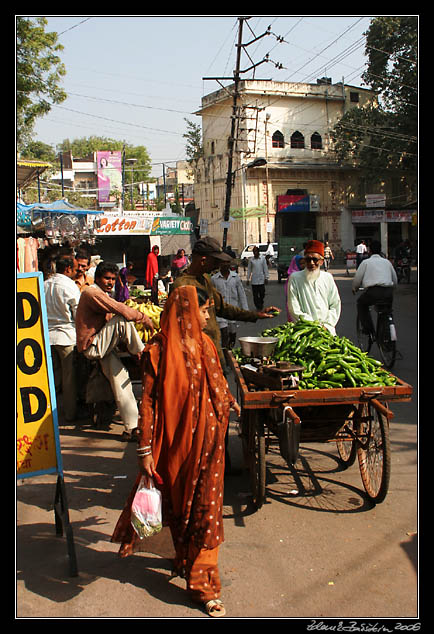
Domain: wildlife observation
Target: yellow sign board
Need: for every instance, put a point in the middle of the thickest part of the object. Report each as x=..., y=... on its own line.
x=38, y=448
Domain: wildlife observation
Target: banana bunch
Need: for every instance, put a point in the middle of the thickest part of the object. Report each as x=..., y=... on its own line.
x=150, y=310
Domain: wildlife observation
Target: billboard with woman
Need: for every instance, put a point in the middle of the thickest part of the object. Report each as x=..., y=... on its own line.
x=109, y=165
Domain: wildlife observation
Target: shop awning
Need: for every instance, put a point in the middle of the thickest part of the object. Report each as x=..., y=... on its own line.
x=28, y=170
x=24, y=212
x=57, y=207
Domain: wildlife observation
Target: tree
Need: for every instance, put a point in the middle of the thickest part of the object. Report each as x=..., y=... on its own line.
x=383, y=135
x=194, y=147
x=38, y=74
x=39, y=150
x=176, y=205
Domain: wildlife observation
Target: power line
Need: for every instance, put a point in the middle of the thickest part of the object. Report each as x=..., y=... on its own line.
x=125, y=103
x=136, y=125
x=74, y=26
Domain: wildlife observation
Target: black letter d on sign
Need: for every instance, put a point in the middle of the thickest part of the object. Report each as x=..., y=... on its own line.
x=35, y=310
x=25, y=400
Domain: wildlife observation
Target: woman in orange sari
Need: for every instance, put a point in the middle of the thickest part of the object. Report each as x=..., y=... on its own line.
x=184, y=414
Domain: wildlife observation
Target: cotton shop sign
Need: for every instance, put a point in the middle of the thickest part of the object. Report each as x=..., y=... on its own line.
x=123, y=225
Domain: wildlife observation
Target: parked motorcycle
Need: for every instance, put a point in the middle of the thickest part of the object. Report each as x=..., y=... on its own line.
x=402, y=268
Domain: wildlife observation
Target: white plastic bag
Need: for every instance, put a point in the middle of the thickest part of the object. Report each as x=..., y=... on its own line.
x=146, y=510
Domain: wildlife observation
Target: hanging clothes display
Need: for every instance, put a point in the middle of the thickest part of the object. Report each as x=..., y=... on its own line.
x=27, y=255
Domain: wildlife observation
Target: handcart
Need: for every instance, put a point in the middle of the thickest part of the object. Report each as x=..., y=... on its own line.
x=357, y=419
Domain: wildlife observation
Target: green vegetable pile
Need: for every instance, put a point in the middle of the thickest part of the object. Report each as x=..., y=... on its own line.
x=139, y=294
x=330, y=361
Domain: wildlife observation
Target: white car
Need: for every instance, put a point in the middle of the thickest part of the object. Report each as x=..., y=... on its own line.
x=263, y=246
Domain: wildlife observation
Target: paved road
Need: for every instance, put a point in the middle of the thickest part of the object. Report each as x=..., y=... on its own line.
x=326, y=554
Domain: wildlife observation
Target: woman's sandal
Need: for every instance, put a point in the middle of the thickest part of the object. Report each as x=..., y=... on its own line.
x=215, y=608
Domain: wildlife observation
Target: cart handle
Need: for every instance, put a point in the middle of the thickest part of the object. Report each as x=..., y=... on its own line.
x=279, y=400
x=293, y=415
x=382, y=409
x=370, y=395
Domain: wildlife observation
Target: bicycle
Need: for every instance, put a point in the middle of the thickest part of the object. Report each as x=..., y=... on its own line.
x=385, y=334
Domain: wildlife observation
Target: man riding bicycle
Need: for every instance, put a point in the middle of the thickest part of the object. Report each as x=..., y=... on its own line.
x=378, y=277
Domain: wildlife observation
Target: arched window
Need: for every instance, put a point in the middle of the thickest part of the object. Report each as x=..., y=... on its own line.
x=297, y=140
x=316, y=141
x=277, y=140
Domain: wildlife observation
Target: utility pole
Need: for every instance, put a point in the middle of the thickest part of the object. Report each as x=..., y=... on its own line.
x=232, y=136
x=232, y=139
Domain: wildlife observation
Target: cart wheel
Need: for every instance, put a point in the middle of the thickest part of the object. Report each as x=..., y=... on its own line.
x=346, y=445
x=374, y=453
x=256, y=458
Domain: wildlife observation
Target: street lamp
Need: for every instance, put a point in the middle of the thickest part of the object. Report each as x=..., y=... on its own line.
x=258, y=162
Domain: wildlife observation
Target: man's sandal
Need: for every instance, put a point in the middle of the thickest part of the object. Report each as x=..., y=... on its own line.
x=215, y=608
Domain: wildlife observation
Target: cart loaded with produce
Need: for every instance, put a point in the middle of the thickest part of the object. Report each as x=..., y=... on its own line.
x=302, y=384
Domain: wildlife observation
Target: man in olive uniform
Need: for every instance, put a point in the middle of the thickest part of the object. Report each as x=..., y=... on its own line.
x=206, y=257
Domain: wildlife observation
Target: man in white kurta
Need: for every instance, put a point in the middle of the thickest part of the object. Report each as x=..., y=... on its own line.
x=61, y=297
x=312, y=293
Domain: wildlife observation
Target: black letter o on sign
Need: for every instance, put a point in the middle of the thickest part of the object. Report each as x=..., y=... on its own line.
x=37, y=352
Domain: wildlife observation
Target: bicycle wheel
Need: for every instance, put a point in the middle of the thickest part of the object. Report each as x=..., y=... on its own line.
x=386, y=346
x=363, y=339
x=374, y=452
x=346, y=444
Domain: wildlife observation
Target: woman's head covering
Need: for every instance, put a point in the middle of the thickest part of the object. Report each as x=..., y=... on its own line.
x=192, y=395
x=298, y=259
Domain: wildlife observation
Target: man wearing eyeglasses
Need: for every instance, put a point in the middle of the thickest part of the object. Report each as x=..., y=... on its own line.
x=312, y=293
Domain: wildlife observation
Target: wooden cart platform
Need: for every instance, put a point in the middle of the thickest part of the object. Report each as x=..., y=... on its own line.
x=357, y=419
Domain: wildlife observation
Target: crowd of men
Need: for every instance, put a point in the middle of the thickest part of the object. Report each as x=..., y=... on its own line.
x=88, y=326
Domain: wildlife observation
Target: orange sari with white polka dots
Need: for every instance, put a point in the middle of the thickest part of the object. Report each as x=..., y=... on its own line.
x=184, y=414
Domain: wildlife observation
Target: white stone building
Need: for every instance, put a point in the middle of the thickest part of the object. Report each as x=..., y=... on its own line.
x=289, y=125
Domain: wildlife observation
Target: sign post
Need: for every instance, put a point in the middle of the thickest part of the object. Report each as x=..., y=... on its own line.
x=38, y=445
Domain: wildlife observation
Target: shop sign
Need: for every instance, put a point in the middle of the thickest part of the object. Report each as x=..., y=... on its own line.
x=144, y=225
x=163, y=226
x=399, y=216
x=38, y=447
x=124, y=225
x=294, y=202
x=375, y=200
x=366, y=216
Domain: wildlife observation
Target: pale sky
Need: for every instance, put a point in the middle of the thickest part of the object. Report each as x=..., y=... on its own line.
x=135, y=78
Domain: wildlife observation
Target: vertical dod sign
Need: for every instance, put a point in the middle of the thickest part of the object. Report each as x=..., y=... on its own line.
x=38, y=448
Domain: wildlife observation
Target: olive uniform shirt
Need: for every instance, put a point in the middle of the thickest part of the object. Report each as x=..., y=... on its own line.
x=218, y=307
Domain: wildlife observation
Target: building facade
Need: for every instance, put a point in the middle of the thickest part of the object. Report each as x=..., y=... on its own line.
x=289, y=125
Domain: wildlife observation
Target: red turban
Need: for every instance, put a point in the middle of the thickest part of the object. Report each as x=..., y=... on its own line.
x=314, y=246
